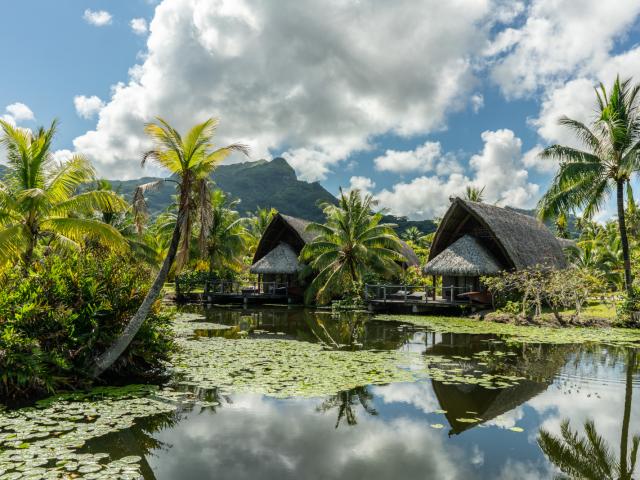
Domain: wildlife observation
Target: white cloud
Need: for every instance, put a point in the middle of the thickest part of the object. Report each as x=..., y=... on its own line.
x=477, y=102
x=99, y=18
x=310, y=79
x=558, y=39
x=19, y=112
x=139, y=26
x=87, y=107
x=422, y=197
x=422, y=159
x=364, y=184
x=61, y=156
x=499, y=168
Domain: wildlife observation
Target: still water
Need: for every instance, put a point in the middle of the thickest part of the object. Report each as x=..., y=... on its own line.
x=423, y=429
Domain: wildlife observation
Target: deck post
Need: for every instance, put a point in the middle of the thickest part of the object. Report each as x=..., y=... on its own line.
x=405, y=293
x=384, y=293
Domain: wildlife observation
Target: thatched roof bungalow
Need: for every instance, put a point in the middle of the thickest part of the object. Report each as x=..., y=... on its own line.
x=276, y=257
x=476, y=239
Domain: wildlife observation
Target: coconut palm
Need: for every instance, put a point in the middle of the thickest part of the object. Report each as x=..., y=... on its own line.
x=40, y=201
x=412, y=234
x=259, y=222
x=474, y=194
x=590, y=458
x=608, y=160
x=190, y=159
x=227, y=237
x=350, y=244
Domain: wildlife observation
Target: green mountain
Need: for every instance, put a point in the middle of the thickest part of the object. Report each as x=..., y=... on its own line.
x=262, y=184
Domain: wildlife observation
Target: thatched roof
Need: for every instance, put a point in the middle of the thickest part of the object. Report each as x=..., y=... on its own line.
x=465, y=257
x=283, y=229
x=515, y=240
x=281, y=259
x=300, y=226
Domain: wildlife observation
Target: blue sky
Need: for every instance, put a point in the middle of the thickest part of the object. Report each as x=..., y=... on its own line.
x=411, y=100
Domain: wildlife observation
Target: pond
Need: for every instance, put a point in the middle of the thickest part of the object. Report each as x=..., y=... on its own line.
x=288, y=393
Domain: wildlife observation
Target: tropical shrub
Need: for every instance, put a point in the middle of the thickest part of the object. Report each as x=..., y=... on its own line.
x=54, y=320
x=533, y=288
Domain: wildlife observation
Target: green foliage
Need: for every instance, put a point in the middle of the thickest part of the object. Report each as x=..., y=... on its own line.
x=227, y=239
x=609, y=157
x=351, y=244
x=538, y=286
x=54, y=320
x=628, y=310
x=40, y=207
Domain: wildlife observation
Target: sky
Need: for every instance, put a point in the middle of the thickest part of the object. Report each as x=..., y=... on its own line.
x=410, y=100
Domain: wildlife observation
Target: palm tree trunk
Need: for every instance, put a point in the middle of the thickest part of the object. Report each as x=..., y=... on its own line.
x=104, y=361
x=624, y=436
x=624, y=240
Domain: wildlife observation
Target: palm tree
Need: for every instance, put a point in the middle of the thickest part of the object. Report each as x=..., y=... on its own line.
x=590, y=458
x=412, y=234
x=474, y=194
x=349, y=245
x=39, y=199
x=345, y=402
x=227, y=236
x=259, y=222
x=190, y=159
x=610, y=157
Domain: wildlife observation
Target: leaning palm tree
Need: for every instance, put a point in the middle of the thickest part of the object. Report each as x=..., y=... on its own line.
x=610, y=157
x=40, y=203
x=227, y=236
x=349, y=245
x=190, y=159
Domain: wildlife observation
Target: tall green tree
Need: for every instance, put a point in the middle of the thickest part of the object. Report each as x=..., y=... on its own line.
x=227, y=238
x=349, y=245
x=191, y=159
x=606, y=162
x=40, y=203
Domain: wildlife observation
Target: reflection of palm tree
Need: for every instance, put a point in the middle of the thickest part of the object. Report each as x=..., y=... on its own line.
x=590, y=458
x=345, y=401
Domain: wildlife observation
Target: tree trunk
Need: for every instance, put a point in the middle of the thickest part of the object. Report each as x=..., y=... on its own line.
x=628, y=280
x=624, y=436
x=104, y=361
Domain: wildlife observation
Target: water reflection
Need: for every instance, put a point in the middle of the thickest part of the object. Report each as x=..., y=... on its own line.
x=345, y=402
x=380, y=432
x=590, y=457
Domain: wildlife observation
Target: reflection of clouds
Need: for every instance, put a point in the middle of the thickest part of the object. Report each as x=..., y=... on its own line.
x=606, y=410
x=508, y=419
x=420, y=395
x=514, y=470
x=477, y=456
x=258, y=438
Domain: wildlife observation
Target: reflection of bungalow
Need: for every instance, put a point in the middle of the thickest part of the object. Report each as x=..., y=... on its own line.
x=276, y=257
x=464, y=401
x=475, y=239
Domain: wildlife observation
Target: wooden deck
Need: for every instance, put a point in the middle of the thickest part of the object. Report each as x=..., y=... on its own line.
x=416, y=299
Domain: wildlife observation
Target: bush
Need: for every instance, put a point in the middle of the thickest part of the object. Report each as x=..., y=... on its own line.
x=628, y=311
x=64, y=312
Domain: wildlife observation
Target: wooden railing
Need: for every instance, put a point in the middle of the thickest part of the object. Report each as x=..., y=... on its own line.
x=419, y=293
x=208, y=285
x=412, y=293
x=225, y=287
